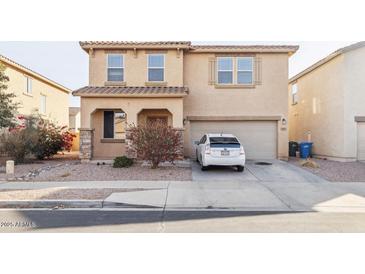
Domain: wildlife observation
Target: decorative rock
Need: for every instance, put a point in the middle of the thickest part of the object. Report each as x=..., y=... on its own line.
x=9, y=167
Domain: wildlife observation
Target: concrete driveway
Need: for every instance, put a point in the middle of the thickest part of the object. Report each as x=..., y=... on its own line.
x=278, y=171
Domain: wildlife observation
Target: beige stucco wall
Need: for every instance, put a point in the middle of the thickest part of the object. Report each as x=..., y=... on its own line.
x=191, y=69
x=74, y=121
x=57, y=101
x=143, y=115
x=267, y=99
x=354, y=97
x=131, y=106
x=91, y=117
x=320, y=109
x=104, y=150
x=135, y=72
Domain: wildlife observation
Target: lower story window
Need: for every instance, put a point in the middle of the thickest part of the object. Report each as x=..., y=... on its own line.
x=114, y=124
x=43, y=103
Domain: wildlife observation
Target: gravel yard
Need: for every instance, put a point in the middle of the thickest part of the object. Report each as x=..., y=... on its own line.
x=73, y=170
x=334, y=171
x=59, y=194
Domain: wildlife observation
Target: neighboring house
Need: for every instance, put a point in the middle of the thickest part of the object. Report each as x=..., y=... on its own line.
x=36, y=93
x=327, y=105
x=74, y=126
x=194, y=88
x=74, y=119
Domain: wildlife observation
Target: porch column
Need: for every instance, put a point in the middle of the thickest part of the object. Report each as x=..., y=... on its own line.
x=178, y=125
x=177, y=115
x=132, y=119
x=86, y=144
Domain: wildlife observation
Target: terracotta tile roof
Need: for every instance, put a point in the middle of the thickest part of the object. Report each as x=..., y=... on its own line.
x=327, y=59
x=126, y=43
x=244, y=48
x=131, y=91
x=32, y=73
x=86, y=45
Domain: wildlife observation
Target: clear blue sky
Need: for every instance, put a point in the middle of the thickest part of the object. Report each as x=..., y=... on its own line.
x=67, y=64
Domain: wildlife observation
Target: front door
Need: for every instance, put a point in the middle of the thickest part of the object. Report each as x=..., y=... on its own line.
x=155, y=119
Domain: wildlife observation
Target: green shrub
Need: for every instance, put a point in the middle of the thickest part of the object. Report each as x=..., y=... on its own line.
x=19, y=142
x=33, y=135
x=122, y=161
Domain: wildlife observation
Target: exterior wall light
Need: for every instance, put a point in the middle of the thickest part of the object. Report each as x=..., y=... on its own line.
x=283, y=121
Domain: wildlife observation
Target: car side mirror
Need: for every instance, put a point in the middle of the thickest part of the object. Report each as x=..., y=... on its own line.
x=196, y=142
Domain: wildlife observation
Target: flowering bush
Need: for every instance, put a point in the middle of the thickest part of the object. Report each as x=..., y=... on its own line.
x=19, y=141
x=37, y=136
x=156, y=142
x=51, y=139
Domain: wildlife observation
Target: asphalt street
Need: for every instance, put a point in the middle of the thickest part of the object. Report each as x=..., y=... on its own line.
x=177, y=221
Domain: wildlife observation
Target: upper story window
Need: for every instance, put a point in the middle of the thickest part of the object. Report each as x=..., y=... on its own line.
x=294, y=93
x=244, y=70
x=235, y=70
x=115, y=68
x=43, y=102
x=29, y=85
x=156, y=67
x=225, y=70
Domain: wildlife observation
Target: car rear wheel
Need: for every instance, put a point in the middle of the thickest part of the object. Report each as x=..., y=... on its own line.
x=204, y=168
x=240, y=168
x=197, y=157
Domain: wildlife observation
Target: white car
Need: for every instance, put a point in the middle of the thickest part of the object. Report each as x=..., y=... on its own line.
x=220, y=150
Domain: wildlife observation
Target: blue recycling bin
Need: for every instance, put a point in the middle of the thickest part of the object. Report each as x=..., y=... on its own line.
x=305, y=149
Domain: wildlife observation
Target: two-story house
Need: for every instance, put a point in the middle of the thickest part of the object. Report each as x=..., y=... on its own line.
x=36, y=93
x=327, y=105
x=195, y=88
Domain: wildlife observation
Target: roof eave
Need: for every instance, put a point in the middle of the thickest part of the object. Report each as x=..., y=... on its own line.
x=86, y=48
x=289, y=50
x=327, y=59
x=130, y=95
x=34, y=74
x=315, y=66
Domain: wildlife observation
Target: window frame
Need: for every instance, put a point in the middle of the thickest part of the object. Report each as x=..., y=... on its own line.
x=164, y=67
x=218, y=70
x=238, y=70
x=294, y=95
x=45, y=104
x=108, y=67
x=29, y=85
x=103, y=126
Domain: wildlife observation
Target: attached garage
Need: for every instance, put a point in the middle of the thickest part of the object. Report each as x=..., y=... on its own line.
x=259, y=138
x=361, y=141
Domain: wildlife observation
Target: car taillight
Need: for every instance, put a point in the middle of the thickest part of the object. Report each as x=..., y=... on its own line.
x=242, y=151
x=207, y=149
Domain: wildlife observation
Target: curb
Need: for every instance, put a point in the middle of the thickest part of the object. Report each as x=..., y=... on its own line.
x=52, y=204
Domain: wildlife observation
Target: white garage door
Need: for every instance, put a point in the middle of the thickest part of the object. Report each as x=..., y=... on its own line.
x=259, y=138
x=361, y=141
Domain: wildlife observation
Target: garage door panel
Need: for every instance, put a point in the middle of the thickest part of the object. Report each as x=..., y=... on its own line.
x=259, y=138
x=361, y=141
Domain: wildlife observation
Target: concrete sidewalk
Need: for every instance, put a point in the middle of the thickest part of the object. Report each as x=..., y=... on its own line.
x=248, y=196
x=231, y=195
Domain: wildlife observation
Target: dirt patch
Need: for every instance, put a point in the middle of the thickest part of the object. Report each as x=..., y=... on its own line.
x=92, y=172
x=334, y=171
x=75, y=171
x=60, y=193
x=33, y=165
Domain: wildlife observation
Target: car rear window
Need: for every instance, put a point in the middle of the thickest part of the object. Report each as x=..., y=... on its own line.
x=224, y=142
